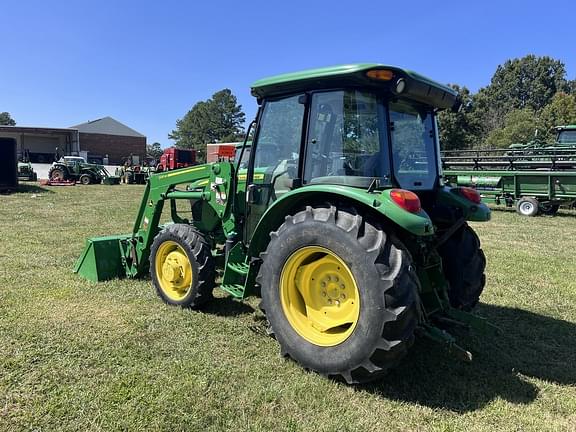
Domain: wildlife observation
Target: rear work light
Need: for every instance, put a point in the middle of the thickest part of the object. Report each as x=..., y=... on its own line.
x=380, y=74
x=470, y=194
x=407, y=200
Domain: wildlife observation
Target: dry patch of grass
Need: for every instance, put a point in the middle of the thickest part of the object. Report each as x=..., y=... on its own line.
x=76, y=355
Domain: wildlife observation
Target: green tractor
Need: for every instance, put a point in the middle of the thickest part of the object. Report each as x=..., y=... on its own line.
x=565, y=141
x=26, y=172
x=339, y=220
x=76, y=169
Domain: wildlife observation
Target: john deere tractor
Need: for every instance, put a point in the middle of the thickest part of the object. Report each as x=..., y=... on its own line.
x=340, y=221
x=76, y=169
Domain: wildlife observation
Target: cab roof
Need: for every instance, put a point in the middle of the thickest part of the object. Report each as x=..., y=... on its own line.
x=416, y=87
x=567, y=127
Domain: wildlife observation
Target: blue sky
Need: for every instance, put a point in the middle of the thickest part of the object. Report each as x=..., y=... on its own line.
x=147, y=63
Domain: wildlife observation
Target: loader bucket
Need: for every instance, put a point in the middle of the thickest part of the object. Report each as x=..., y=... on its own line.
x=101, y=259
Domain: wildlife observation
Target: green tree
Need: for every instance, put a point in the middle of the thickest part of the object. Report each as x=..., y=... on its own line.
x=154, y=150
x=529, y=83
x=561, y=111
x=6, y=119
x=519, y=127
x=457, y=130
x=218, y=119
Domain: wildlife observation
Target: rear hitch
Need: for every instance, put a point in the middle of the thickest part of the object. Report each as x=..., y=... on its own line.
x=478, y=323
x=447, y=341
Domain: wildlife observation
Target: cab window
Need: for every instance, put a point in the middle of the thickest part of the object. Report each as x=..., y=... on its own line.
x=277, y=151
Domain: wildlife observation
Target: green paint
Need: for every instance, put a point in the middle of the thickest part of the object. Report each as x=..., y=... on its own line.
x=101, y=259
x=545, y=185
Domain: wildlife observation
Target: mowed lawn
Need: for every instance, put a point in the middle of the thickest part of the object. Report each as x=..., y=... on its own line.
x=77, y=355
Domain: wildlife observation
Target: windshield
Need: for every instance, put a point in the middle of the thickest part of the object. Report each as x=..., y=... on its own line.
x=567, y=137
x=72, y=159
x=245, y=157
x=348, y=141
x=413, y=148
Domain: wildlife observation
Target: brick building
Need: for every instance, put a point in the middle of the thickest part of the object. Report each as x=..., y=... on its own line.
x=107, y=137
x=95, y=140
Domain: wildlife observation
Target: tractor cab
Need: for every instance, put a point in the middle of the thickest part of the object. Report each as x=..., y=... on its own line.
x=366, y=126
x=566, y=135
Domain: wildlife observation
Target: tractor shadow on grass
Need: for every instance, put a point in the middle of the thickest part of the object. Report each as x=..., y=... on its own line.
x=31, y=188
x=227, y=307
x=531, y=346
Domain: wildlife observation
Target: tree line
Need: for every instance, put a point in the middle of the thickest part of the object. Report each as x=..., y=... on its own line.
x=524, y=95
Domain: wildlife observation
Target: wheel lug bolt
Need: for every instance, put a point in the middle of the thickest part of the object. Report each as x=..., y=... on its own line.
x=323, y=284
x=336, y=279
x=342, y=296
x=323, y=293
x=329, y=301
x=342, y=286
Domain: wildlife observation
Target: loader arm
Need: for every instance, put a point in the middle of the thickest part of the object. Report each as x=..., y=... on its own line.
x=127, y=255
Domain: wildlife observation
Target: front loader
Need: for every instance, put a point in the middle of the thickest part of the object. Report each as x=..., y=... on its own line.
x=338, y=219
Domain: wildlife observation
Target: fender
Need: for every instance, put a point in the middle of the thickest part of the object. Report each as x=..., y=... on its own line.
x=472, y=212
x=419, y=223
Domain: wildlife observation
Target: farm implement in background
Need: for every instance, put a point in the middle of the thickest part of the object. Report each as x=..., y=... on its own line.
x=536, y=178
x=75, y=169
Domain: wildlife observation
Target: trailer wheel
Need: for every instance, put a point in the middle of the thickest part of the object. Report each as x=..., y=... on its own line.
x=464, y=263
x=85, y=179
x=549, y=209
x=527, y=206
x=182, y=266
x=56, y=174
x=339, y=293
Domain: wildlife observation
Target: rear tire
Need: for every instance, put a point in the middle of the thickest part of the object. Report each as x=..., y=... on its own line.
x=368, y=338
x=56, y=174
x=527, y=206
x=464, y=263
x=182, y=266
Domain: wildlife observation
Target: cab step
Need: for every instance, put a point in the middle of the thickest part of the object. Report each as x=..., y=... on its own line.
x=239, y=267
x=235, y=290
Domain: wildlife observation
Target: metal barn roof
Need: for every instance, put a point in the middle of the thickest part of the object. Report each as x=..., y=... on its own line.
x=107, y=126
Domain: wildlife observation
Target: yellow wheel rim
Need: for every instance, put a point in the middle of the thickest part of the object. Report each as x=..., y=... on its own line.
x=319, y=296
x=173, y=270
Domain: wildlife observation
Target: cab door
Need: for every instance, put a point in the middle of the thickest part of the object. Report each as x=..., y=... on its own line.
x=275, y=156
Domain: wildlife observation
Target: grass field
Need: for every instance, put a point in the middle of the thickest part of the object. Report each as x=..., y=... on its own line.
x=76, y=355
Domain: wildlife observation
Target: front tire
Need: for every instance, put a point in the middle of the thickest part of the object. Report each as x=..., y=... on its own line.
x=85, y=179
x=182, y=266
x=340, y=294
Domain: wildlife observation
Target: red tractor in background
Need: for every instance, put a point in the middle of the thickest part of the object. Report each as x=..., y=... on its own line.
x=174, y=158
